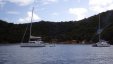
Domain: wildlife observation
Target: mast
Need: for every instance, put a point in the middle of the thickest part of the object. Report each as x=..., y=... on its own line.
x=31, y=23
x=99, y=29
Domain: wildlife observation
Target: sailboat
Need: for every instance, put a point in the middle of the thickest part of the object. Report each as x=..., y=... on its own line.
x=101, y=43
x=33, y=40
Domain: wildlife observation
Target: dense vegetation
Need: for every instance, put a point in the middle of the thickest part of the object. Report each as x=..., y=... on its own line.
x=83, y=30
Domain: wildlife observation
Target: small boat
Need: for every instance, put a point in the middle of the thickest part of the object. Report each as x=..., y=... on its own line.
x=101, y=43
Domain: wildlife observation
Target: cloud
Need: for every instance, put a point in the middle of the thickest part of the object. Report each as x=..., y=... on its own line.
x=72, y=0
x=110, y=7
x=27, y=2
x=80, y=13
x=2, y=3
x=100, y=2
x=13, y=12
x=28, y=18
x=79, y=0
x=55, y=14
x=21, y=2
x=65, y=0
x=45, y=2
x=100, y=5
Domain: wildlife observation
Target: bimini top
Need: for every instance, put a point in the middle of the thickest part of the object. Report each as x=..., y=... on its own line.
x=32, y=37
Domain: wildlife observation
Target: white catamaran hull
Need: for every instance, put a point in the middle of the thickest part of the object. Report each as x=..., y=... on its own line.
x=95, y=45
x=32, y=45
x=101, y=44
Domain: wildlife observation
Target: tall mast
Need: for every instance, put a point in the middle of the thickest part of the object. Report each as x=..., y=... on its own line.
x=99, y=29
x=31, y=23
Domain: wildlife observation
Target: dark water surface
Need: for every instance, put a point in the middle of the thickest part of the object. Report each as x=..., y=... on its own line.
x=60, y=54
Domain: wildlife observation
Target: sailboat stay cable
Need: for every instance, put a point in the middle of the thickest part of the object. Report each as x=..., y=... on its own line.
x=31, y=23
x=27, y=28
x=24, y=34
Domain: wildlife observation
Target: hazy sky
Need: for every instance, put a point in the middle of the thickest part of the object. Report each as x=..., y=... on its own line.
x=19, y=11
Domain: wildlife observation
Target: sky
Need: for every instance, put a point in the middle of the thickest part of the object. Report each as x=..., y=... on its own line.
x=20, y=11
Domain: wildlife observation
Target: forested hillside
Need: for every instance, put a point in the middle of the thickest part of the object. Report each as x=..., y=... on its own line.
x=83, y=30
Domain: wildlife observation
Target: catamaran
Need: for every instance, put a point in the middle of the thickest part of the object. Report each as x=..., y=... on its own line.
x=33, y=40
x=101, y=43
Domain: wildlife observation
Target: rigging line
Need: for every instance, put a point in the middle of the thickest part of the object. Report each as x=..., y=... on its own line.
x=28, y=26
x=24, y=34
x=31, y=23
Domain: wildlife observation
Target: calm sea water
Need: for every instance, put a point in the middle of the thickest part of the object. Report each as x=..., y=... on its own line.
x=60, y=54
